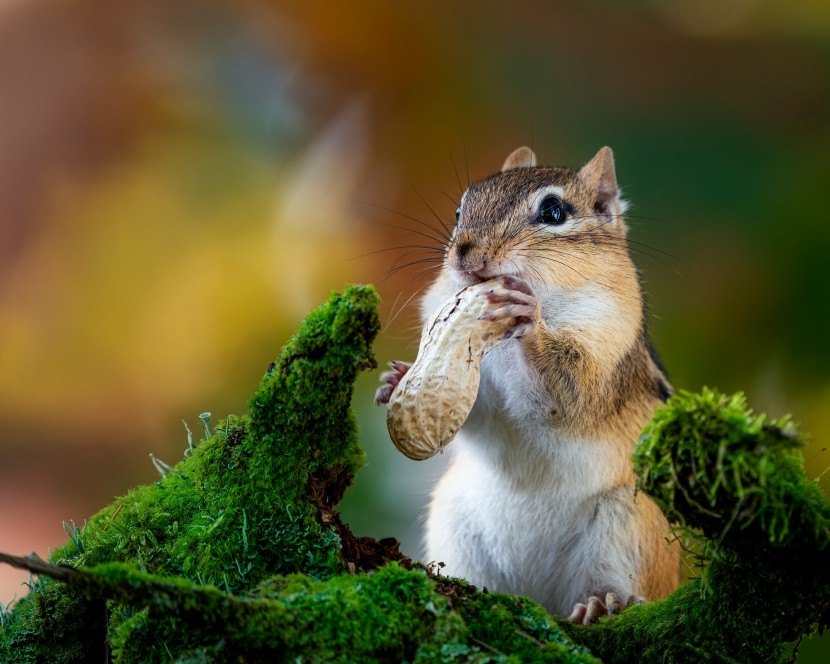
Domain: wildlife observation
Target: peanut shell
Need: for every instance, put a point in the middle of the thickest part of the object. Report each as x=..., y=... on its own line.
x=435, y=397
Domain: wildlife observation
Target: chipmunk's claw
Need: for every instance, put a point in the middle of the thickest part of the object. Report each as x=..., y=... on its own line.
x=517, y=302
x=390, y=380
x=595, y=608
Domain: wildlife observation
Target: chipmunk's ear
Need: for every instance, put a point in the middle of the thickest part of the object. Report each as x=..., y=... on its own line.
x=599, y=178
x=520, y=158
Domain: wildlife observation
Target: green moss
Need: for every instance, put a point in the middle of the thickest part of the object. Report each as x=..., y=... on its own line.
x=30, y=635
x=237, y=553
x=713, y=465
x=247, y=502
x=394, y=614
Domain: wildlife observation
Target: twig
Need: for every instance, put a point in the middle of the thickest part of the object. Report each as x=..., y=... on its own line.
x=37, y=565
x=112, y=518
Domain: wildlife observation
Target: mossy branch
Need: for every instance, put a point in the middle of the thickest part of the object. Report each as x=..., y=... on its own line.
x=238, y=552
x=392, y=615
x=713, y=465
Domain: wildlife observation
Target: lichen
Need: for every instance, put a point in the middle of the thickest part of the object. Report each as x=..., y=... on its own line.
x=238, y=554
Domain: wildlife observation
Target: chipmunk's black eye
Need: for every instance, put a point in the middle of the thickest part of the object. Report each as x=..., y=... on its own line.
x=551, y=211
x=457, y=213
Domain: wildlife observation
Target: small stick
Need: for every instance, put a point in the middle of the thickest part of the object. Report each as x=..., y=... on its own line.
x=107, y=527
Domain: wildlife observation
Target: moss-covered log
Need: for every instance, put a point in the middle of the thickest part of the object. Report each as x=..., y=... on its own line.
x=394, y=614
x=253, y=500
x=238, y=554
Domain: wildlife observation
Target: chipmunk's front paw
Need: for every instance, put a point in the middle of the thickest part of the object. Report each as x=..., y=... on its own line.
x=390, y=380
x=595, y=608
x=517, y=301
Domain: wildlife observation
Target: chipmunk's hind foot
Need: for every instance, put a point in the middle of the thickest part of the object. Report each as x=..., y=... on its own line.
x=595, y=608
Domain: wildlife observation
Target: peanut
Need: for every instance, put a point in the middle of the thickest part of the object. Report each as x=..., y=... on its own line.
x=434, y=398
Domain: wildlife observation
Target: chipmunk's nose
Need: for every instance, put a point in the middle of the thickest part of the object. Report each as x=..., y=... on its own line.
x=464, y=248
x=468, y=256
x=467, y=253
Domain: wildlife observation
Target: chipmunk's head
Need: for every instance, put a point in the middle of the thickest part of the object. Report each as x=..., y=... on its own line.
x=541, y=224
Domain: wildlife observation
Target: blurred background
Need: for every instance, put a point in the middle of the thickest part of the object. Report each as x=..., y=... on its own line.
x=181, y=182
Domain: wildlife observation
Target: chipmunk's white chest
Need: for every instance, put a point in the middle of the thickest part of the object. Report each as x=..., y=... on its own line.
x=519, y=509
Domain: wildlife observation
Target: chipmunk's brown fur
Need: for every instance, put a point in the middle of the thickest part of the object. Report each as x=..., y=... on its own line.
x=539, y=498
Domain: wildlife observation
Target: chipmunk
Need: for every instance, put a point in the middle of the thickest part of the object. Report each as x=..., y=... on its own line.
x=539, y=497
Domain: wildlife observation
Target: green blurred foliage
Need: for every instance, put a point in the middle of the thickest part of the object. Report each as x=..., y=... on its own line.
x=181, y=182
